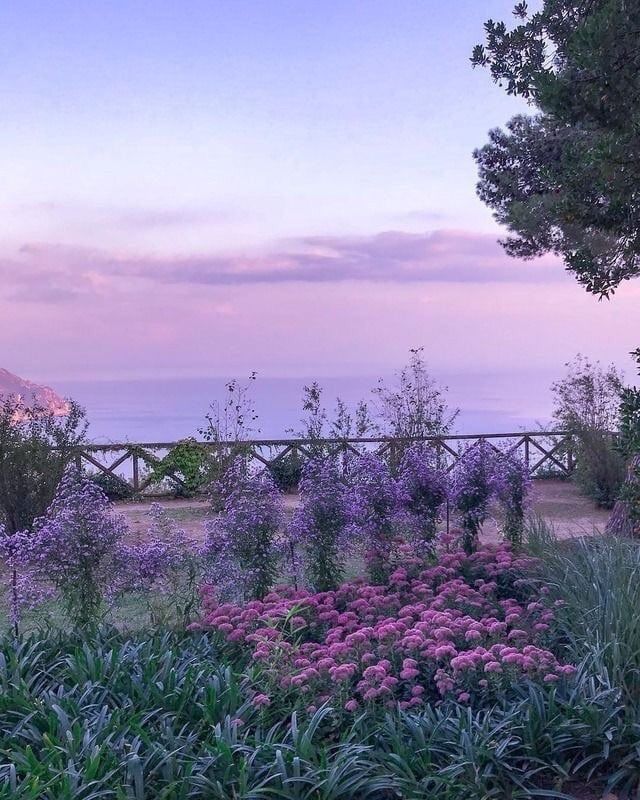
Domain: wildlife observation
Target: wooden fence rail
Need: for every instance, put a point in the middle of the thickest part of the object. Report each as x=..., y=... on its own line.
x=133, y=463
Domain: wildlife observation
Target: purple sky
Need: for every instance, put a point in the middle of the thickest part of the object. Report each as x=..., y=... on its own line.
x=208, y=187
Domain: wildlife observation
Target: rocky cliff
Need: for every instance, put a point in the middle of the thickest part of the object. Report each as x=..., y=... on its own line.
x=31, y=394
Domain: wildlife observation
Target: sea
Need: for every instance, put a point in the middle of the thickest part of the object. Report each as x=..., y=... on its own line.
x=169, y=409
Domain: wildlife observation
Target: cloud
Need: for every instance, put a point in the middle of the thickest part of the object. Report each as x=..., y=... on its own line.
x=55, y=273
x=393, y=256
x=51, y=274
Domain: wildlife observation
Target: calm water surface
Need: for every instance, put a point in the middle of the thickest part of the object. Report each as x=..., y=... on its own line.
x=170, y=409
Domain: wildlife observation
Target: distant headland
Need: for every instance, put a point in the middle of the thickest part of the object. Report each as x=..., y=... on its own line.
x=31, y=394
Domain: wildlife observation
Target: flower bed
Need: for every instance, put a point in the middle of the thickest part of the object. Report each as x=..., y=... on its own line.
x=461, y=626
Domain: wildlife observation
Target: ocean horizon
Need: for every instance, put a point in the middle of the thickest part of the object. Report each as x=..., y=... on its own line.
x=169, y=409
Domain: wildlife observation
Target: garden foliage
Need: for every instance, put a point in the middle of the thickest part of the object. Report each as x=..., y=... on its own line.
x=319, y=526
x=460, y=626
x=74, y=547
x=35, y=448
x=245, y=539
x=424, y=490
x=564, y=179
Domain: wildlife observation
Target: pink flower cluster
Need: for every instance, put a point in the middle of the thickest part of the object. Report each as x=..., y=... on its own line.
x=464, y=626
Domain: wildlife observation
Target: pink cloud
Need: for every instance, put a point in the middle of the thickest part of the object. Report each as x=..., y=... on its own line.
x=53, y=273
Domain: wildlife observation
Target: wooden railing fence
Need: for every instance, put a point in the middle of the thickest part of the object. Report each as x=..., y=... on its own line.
x=544, y=452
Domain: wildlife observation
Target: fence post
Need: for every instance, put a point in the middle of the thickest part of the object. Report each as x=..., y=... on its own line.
x=136, y=473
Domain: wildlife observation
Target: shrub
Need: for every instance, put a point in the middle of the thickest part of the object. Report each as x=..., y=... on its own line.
x=472, y=487
x=165, y=568
x=373, y=505
x=35, y=448
x=287, y=471
x=586, y=403
x=424, y=490
x=630, y=416
x=625, y=519
x=243, y=542
x=114, y=487
x=319, y=524
x=74, y=547
x=187, y=465
x=511, y=485
x=600, y=468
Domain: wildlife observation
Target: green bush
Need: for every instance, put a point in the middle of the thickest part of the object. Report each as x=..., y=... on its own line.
x=287, y=471
x=36, y=445
x=600, y=468
x=187, y=465
x=113, y=486
x=597, y=581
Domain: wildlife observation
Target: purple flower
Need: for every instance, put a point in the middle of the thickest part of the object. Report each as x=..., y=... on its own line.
x=320, y=523
x=423, y=488
x=472, y=487
x=74, y=547
x=373, y=511
x=512, y=484
x=244, y=542
x=165, y=563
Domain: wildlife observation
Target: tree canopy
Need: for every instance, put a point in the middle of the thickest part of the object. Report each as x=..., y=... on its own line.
x=566, y=179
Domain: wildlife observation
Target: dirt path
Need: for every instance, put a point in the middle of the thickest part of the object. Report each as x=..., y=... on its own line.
x=559, y=502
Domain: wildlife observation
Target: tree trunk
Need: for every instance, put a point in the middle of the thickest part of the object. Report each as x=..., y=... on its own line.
x=625, y=517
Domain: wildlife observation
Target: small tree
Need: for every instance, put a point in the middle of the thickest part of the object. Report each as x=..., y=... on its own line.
x=320, y=522
x=35, y=447
x=346, y=424
x=229, y=424
x=586, y=403
x=315, y=415
x=235, y=419
x=317, y=423
x=588, y=397
x=75, y=547
x=415, y=406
